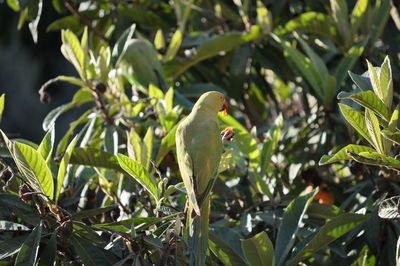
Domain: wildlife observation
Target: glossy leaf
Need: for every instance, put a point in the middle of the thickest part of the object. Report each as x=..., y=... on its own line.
x=29, y=249
x=290, y=225
x=357, y=120
x=46, y=146
x=342, y=154
x=34, y=168
x=63, y=167
x=332, y=230
x=139, y=174
x=95, y=158
x=374, y=130
x=369, y=100
x=259, y=250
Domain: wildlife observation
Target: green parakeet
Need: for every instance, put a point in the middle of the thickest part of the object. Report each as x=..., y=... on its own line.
x=199, y=148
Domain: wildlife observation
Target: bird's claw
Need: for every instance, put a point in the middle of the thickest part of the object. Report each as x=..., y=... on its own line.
x=227, y=135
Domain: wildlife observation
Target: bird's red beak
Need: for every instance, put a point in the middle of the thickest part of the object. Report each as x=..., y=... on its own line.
x=224, y=109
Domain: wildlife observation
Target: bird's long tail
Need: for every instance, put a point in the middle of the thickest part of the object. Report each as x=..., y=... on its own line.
x=199, y=238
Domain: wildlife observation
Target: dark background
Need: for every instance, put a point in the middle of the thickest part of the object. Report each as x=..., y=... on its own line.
x=24, y=67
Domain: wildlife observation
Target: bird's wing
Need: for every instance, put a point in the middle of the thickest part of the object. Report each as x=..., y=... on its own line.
x=206, y=153
x=183, y=150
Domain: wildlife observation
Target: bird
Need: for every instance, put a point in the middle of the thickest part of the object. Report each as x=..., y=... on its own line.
x=199, y=147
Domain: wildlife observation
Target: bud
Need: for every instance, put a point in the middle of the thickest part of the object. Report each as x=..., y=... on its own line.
x=44, y=96
x=23, y=190
x=100, y=87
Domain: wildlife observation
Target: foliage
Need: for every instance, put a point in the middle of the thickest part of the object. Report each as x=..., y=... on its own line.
x=108, y=190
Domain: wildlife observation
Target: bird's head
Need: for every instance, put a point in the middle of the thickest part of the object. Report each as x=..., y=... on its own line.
x=213, y=100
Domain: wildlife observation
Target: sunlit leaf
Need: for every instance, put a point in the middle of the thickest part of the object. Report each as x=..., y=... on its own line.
x=174, y=46
x=63, y=167
x=357, y=120
x=259, y=250
x=343, y=155
x=332, y=230
x=369, y=100
x=139, y=174
x=46, y=146
x=374, y=130
x=290, y=225
x=95, y=158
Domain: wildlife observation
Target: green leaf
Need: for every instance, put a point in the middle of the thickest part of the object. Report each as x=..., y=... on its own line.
x=374, y=130
x=264, y=18
x=48, y=255
x=88, y=253
x=343, y=155
x=111, y=140
x=95, y=158
x=394, y=119
x=92, y=212
x=362, y=82
x=259, y=250
x=2, y=97
x=29, y=249
x=369, y=100
x=14, y=5
x=73, y=52
x=139, y=173
x=13, y=204
x=358, y=14
x=374, y=158
x=381, y=13
x=63, y=167
x=52, y=116
x=324, y=211
x=226, y=254
x=339, y=15
x=357, y=120
x=72, y=80
x=159, y=41
x=174, y=46
x=147, y=148
x=167, y=144
x=290, y=225
x=347, y=62
x=46, y=146
x=216, y=45
x=385, y=82
x=68, y=22
x=332, y=230
x=312, y=22
x=392, y=136
x=33, y=167
x=11, y=246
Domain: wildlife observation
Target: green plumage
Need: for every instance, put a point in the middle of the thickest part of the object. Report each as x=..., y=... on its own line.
x=199, y=149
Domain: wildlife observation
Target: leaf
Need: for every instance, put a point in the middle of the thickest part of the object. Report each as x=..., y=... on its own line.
x=223, y=251
x=389, y=208
x=68, y=22
x=29, y=249
x=15, y=205
x=374, y=130
x=2, y=97
x=167, y=144
x=52, y=116
x=332, y=230
x=33, y=167
x=216, y=45
x=46, y=146
x=92, y=212
x=88, y=253
x=358, y=14
x=111, y=140
x=312, y=22
x=122, y=43
x=159, y=41
x=33, y=25
x=394, y=118
x=324, y=211
x=363, y=82
x=147, y=148
x=72, y=80
x=11, y=246
x=369, y=100
x=174, y=46
x=63, y=167
x=259, y=250
x=374, y=158
x=343, y=155
x=73, y=51
x=357, y=120
x=347, y=62
x=392, y=136
x=339, y=15
x=95, y=158
x=290, y=225
x=48, y=255
x=385, y=82
x=139, y=173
